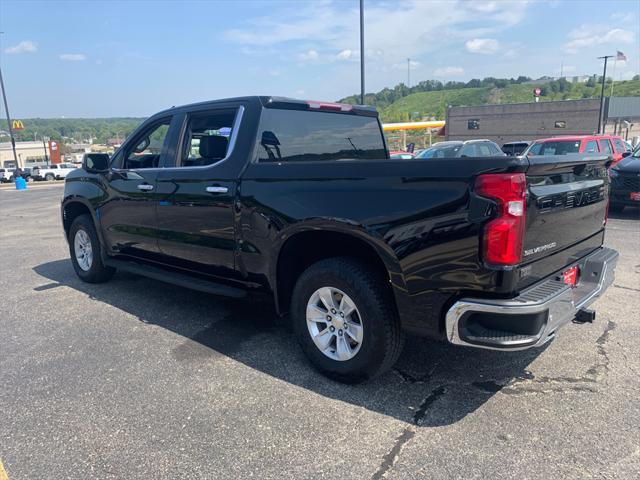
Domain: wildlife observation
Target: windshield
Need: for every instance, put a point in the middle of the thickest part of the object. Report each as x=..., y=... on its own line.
x=445, y=151
x=560, y=147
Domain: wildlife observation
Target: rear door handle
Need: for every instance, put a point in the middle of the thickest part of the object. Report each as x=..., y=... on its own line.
x=145, y=186
x=217, y=189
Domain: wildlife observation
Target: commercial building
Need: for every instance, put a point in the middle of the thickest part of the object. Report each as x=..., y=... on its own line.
x=529, y=121
x=29, y=153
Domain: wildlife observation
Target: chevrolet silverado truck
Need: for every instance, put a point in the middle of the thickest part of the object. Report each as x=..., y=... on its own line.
x=300, y=200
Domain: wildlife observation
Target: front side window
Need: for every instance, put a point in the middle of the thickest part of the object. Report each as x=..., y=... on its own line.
x=207, y=137
x=620, y=145
x=591, y=147
x=299, y=136
x=606, y=146
x=148, y=147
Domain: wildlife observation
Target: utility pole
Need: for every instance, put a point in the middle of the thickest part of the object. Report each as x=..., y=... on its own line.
x=561, y=68
x=604, y=77
x=361, y=52
x=44, y=146
x=6, y=109
x=409, y=72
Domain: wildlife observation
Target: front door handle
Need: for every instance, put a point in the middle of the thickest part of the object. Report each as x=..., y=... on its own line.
x=145, y=187
x=217, y=189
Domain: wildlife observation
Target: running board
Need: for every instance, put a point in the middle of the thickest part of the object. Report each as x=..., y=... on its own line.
x=175, y=278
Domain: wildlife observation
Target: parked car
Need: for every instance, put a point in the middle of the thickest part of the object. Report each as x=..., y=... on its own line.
x=514, y=149
x=6, y=174
x=55, y=171
x=625, y=182
x=456, y=148
x=604, y=144
x=401, y=154
x=302, y=202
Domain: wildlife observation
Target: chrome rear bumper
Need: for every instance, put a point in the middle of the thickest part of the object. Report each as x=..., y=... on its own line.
x=550, y=302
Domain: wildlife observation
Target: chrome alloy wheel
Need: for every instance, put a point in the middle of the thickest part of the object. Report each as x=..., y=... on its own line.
x=334, y=324
x=83, y=250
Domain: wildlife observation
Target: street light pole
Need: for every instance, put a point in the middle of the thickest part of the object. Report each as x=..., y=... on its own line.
x=6, y=109
x=362, y=52
x=604, y=77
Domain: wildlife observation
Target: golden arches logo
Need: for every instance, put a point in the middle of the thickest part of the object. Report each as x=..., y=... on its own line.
x=17, y=125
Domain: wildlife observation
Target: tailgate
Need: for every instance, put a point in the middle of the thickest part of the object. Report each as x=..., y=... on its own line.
x=567, y=202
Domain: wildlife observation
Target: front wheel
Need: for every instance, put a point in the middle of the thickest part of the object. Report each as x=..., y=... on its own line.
x=84, y=247
x=48, y=177
x=345, y=320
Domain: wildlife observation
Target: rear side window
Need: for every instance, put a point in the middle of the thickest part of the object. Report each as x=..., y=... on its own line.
x=301, y=136
x=207, y=137
x=606, y=146
x=591, y=147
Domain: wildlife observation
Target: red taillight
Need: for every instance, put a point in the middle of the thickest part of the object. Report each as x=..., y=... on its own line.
x=339, y=107
x=504, y=236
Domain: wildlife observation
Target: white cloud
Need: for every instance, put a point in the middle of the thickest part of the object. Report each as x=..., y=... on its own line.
x=448, y=72
x=347, y=54
x=486, y=46
x=73, y=57
x=587, y=36
x=307, y=56
x=333, y=26
x=26, y=46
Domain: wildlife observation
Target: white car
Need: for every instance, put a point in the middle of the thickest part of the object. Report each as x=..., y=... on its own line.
x=53, y=172
x=6, y=174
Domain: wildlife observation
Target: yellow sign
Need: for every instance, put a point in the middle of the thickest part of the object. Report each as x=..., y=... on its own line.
x=17, y=125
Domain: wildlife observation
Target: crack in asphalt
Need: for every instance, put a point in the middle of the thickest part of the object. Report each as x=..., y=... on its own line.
x=626, y=288
x=515, y=386
x=390, y=459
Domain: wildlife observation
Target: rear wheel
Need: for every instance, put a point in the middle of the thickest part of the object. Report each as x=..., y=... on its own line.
x=84, y=248
x=345, y=320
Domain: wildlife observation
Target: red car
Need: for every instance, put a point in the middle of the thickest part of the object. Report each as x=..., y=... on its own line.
x=607, y=144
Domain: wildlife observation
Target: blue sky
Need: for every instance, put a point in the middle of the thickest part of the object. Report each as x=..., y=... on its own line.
x=133, y=58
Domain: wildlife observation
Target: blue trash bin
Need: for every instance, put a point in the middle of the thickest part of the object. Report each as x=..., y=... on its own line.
x=21, y=183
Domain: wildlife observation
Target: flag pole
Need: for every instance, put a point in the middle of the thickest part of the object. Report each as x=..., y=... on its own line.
x=613, y=76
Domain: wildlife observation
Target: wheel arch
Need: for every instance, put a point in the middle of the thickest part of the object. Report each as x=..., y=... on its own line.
x=75, y=206
x=311, y=243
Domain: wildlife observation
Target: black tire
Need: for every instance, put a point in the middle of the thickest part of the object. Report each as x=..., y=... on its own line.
x=48, y=177
x=383, y=338
x=616, y=207
x=29, y=179
x=98, y=272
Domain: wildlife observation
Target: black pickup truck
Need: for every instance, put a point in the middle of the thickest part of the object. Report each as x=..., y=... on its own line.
x=301, y=201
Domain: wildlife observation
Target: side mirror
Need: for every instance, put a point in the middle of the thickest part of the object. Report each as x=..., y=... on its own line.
x=625, y=154
x=95, y=162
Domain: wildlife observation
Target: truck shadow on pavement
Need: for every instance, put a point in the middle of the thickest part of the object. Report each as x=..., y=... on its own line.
x=432, y=384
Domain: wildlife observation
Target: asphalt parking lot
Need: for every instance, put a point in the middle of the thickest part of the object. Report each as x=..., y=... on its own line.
x=136, y=379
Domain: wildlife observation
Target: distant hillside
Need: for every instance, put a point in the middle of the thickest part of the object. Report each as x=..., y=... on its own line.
x=410, y=105
x=434, y=104
x=71, y=130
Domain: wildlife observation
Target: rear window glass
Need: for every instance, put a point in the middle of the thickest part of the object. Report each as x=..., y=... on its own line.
x=555, y=148
x=301, y=136
x=440, y=152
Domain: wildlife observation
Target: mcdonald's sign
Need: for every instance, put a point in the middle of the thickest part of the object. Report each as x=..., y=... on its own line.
x=17, y=125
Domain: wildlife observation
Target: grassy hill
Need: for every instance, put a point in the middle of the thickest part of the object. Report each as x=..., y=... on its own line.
x=433, y=104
